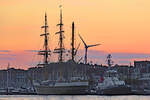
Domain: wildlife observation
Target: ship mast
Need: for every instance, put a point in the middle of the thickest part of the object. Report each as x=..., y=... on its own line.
x=46, y=50
x=72, y=44
x=61, y=49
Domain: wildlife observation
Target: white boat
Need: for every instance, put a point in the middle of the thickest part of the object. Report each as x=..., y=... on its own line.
x=110, y=84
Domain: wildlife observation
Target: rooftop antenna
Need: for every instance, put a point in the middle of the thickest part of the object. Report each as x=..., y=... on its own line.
x=46, y=50
x=61, y=48
x=86, y=48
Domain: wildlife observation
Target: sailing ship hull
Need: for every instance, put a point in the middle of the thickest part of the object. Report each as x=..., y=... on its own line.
x=47, y=90
x=116, y=90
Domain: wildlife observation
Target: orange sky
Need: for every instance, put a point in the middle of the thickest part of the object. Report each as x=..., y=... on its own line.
x=120, y=25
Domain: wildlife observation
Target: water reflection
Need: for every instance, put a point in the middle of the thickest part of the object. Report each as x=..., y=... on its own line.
x=5, y=97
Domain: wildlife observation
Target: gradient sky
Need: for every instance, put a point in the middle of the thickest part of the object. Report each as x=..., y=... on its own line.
x=121, y=26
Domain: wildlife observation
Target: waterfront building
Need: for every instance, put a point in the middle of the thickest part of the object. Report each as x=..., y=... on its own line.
x=12, y=77
x=142, y=66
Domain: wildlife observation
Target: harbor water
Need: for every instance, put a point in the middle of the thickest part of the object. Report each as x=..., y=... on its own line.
x=76, y=97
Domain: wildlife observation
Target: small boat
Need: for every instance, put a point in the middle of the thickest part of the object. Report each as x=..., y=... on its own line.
x=110, y=84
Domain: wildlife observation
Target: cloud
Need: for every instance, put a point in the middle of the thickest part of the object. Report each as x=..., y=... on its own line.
x=31, y=50
x=5, y=51
x=7, y=58
x=99, y=57
x=28, y=58
x=1, y=54
x=130, y=55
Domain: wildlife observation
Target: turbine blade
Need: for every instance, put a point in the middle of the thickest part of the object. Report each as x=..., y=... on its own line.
x=83, y=41
x=93, y=45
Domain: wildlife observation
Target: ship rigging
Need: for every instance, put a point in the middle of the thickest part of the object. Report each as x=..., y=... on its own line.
x=46, y=51
x=61, y=49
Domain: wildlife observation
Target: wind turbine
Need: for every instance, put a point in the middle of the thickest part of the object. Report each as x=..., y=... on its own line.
x=86, y=48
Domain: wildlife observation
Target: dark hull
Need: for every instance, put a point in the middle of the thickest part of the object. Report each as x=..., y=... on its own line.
x=47, y=90
x=116, y=90
x=17, y=93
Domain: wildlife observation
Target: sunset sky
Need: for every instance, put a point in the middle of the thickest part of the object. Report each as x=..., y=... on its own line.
x=121, y=26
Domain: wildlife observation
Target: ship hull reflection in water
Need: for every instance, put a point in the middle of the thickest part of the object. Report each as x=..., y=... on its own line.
x=30, y=97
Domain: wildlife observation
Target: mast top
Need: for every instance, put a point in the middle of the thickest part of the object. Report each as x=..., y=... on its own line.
x=46, y=51
x=60, y=6
x=45, y=14
x=61, y=49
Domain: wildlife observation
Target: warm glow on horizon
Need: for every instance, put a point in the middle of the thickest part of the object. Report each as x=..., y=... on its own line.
x=119, y=25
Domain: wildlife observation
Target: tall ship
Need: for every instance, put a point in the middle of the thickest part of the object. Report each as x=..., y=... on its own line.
x=62, y=77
